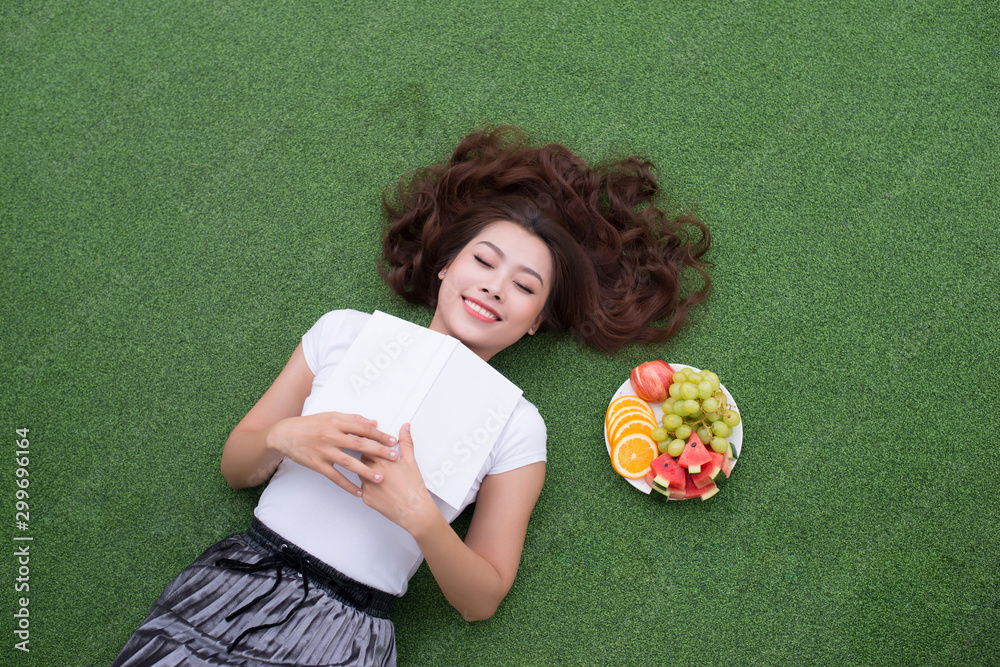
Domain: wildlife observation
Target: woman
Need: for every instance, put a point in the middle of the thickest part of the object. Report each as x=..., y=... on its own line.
x=504, y=239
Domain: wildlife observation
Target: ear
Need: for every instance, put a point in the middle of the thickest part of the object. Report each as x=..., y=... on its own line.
x=537, y=323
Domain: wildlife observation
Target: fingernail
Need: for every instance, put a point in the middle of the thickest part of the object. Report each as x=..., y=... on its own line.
x=358, y=493
x=378, y=477
x=393, y=454
x=392, y=440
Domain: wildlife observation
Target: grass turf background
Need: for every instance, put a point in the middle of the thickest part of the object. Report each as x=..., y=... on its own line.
x=187, y=186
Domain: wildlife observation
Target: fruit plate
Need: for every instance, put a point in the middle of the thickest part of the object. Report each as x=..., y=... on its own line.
x=626, y=390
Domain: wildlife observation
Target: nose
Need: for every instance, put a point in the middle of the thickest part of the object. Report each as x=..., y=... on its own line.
x=492, y=288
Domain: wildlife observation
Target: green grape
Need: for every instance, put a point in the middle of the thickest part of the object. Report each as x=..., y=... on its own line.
x=671, y=422
x=679, y=409
x=731, y=418
x=674, y=390
x=688, y=391
x=691, y=406
x=710, y=405
x=662, y=445
x=705, y=389
x=683, y=432
x=721, y=429
x=720, y=445
x=704, y=433
x=696, y=416
x=668, y=404
x=713, y=417
x=713, y=378
x=676, y=447
x=659, y=434
x=680, y=377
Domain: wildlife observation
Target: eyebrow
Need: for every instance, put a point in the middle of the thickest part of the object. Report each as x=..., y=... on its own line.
x=522, y=267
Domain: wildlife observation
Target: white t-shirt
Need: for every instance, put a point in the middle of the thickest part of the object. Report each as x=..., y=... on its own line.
x=317, y=515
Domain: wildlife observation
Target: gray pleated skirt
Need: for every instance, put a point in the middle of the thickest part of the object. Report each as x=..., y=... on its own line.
x=218, y=614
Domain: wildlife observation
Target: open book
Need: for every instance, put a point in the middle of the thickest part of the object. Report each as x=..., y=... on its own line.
x=456, y=403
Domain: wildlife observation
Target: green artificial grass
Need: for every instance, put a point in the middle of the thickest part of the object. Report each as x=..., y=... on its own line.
x=187, y=186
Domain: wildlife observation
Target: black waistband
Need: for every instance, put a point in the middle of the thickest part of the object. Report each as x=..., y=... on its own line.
x=351, y=592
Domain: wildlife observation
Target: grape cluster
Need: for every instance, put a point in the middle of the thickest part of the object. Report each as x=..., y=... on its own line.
x=696, y=404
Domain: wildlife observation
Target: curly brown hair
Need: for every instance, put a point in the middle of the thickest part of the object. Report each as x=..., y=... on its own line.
x=618, y=256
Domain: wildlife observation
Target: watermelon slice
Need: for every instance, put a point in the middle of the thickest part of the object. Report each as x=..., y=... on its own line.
x=729, y=461
x=658, y=492
x=709, y=471
x=669, y=478
x=660, y=489
x=709, y=491
x=693, y=491
x=694, y=455
x=690, y=490
x=668, y=470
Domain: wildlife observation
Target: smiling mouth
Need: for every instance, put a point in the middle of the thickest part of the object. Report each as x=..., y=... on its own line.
x=481, y=311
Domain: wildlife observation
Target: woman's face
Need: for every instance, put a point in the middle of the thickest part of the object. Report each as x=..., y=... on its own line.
x=494, y=290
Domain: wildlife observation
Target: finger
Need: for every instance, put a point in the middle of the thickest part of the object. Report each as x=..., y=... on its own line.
x=368, y=430
x=359, y=467
x=333, y=414
x=406, y=442
x=364, y=420
x=338, y=478
x=367, y=447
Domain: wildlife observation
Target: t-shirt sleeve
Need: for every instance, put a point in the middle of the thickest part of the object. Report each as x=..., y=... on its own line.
x=328, y=339
x=523, y=440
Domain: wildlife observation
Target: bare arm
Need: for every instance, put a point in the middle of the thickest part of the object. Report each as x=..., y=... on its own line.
x=477, y=578
x=274, y=429
x=474, y=575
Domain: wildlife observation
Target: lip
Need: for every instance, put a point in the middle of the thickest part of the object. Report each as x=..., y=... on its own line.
x=482, y=305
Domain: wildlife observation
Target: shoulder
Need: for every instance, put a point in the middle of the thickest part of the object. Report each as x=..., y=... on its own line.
x=332, y=334
x=527, y=419
x=522, y=441
x=340, y=322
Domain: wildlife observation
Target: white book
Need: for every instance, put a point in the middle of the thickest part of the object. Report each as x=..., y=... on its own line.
x=457, y=404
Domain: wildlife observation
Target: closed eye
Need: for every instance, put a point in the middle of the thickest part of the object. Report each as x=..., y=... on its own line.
x=524, y=288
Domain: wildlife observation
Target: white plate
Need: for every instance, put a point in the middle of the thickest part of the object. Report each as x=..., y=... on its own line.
x=626, y=390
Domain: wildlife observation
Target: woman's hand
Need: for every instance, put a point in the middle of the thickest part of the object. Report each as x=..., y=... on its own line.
x=319, y=441
x=274, y=429
x=474, y=575
x=400, y=494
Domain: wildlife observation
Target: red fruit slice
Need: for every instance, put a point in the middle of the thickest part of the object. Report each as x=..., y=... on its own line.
x=729, y=461
x=706, y=492
x=694, y=454
x=656, y=486
x=667, y=468
x=709, y=491
x=690, y=490
x=709, y=471
x=677, y=494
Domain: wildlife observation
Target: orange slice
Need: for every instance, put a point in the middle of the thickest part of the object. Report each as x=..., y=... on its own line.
x=623, y=418
x=628, y=414
x=632, y=456
x=624, y=428
x=627, y=402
